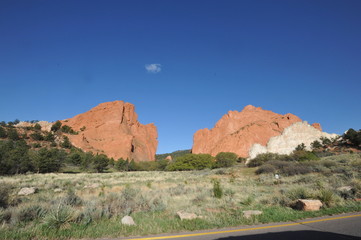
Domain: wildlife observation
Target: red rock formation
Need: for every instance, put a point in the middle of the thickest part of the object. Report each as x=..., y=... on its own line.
x=238, y=131
x=317, y=126
x=112, y=128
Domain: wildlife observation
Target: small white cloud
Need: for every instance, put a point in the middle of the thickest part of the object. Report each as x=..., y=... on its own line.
x=153, y=68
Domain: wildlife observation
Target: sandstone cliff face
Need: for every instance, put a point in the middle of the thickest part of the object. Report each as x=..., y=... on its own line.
x=112, y=128
x=238, y=131
x=292, y=136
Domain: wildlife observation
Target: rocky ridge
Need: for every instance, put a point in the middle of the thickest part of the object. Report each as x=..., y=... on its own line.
x=238, y=131
x=291, y=137
x=112, y=128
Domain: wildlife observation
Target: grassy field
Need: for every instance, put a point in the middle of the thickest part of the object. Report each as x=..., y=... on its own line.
x=92, y=205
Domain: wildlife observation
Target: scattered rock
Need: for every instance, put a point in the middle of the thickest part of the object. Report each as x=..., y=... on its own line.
x=27, y=191
x=308, y=205
x=128, y=220
x=186, y=216
x=93, y=185
x=345, y=189
x=250, y=213
x=56, y=190
x=112, y=129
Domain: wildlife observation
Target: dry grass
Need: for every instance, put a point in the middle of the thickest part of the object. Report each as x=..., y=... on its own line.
x=157, y=196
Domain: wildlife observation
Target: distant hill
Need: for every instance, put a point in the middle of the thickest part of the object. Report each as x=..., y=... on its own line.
x=174, y=154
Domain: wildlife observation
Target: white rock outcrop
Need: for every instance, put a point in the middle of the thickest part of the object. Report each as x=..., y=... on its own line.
x=45, y=126
x=291, y=137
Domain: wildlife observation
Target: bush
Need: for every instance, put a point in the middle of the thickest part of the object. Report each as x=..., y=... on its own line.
x=37, y=127
x=13, y=134
x=298, y=193
x=60, y=217
x=217, y=189
x=5, y=190
x=354, y=137
x=72, y=199
x=100, y=162
x=327, y=197
x=49, y=137
x=3, y=133
x=266, y=168
x=66, y=143
x=316, y=145
x=265, y=157
x=226, y=159
x=37, y=136
x=192, y=162
x=302, y=155
x=30, y=213
x=56, y=126
x=67, y=129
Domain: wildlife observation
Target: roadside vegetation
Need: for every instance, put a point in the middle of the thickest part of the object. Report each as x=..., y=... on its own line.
x=81, y=195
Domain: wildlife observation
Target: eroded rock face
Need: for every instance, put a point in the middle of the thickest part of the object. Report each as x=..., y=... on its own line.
x=238, y=131
x=292, y=136
x=112, y=128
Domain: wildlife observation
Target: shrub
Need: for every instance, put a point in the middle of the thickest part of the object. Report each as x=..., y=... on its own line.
x=226, y=159
x=37, y=127
x=66, y=143
x=72, y=199
x=30, y=213
x=217, y=189
x=49, y=137
x=37, y=136
x=67, y=129
x=265, y=157
x=3, y=133
x=327, y=197
x=316, y=144
x=298, y=193
x=13, y=134
x=4, y=195
x=60, y=217
x=192, y=162
x=354, y=137
x=100, y=162
x=266, y=168
x=56, y=126
x=295, y=169
x=302, y=155
x=300, y=147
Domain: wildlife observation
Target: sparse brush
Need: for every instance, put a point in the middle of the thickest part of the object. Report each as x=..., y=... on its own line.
x=30, y=213
x=60, y=217
x=5, y=215
x=327, y=197
x=72, y=199
x=5, y=190
x=248, y=201
x=298, y=193
x=217, y=189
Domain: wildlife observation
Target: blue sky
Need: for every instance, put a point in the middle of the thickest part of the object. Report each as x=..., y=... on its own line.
x=61, y=58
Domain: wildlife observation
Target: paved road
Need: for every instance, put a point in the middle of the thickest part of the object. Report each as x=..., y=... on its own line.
x=340, y=227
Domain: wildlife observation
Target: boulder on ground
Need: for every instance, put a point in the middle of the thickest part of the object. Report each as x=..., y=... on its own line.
x=56, y=190
x=27, y=191
x=186, y=216
x=250, y=213
x=308, y=205
x=128, y=220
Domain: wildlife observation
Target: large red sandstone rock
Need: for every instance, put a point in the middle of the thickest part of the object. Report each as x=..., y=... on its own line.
x=112, y=128
x=238, y=131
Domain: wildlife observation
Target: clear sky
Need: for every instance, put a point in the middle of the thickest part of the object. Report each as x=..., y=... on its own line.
x=184, y=64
